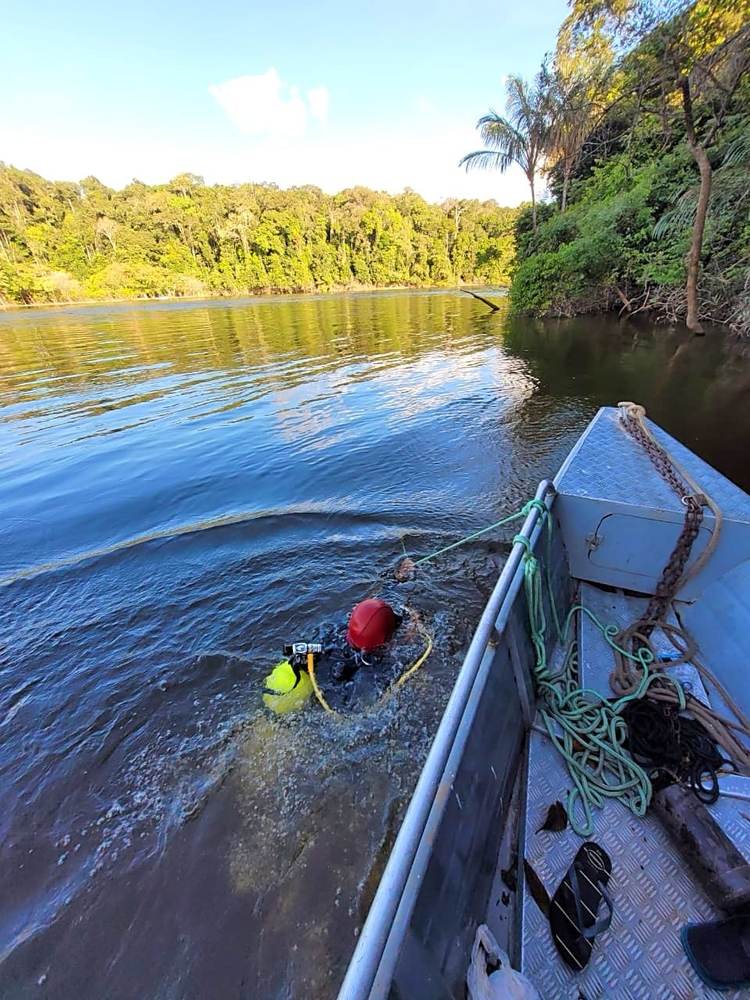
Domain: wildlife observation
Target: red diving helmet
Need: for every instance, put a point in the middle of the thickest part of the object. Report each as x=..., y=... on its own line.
x=372, y=624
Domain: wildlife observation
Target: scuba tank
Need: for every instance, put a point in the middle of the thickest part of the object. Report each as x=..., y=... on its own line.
x=285, y=690
x=332, y=664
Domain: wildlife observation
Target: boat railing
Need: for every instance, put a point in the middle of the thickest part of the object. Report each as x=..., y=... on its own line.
x=375, y=957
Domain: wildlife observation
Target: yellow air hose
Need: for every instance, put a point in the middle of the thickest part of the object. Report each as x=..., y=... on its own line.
x=316, y=686
x=417, y=663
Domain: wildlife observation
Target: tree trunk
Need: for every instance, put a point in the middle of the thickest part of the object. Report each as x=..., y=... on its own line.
x=481, y=298
x=533, y=205
x=565, y=192
x=696, y=245
x=698, y=153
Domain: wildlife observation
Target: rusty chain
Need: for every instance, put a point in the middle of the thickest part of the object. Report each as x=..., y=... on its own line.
x=628, y=676
x=694, y=503
x=675, y=567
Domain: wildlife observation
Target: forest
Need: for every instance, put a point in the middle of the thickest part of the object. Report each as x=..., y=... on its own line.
x=635, y=130
x=67, y=242
x=639, y=123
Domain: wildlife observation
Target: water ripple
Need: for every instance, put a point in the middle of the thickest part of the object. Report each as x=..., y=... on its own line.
x=184, y=488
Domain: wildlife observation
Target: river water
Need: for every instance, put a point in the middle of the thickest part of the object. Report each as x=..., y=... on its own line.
x=186, y=487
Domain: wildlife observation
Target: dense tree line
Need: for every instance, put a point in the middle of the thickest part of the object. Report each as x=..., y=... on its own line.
x=63, y=241
x=640, y=121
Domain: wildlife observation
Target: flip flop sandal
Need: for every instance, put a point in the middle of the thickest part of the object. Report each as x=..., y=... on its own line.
x=720, y=952
x=573, y=910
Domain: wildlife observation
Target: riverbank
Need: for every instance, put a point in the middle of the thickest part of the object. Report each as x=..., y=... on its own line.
x=351, y=289
x=64, y=242
x=622, y=244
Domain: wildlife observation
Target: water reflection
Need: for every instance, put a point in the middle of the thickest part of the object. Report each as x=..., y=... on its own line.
x=40, y=348
x=186, y=487
x=697, y=388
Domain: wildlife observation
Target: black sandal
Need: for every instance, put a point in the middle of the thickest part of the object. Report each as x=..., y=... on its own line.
x=573, y=911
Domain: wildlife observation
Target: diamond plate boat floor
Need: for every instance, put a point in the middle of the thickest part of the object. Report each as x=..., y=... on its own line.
x=654, y=892
x=640, y=957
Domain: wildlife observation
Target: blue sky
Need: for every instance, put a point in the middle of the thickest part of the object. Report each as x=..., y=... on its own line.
x=385, y=94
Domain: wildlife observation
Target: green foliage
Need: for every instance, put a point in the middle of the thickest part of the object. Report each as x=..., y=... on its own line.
x=629, y=229
x=559, y=230
x=603, y=242
x=568, y=280
x=526, y=240
x=67, y=242
x=634, y=191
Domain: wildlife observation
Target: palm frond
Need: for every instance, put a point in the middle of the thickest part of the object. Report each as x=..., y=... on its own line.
x=498, y=133
x=486, y=159
x=738, y=152
x=674, y=222
x=519, y=103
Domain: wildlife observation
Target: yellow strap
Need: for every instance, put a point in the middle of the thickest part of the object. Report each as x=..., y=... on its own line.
x=316, y=689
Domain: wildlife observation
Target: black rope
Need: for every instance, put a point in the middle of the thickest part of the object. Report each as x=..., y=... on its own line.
x=673, y=747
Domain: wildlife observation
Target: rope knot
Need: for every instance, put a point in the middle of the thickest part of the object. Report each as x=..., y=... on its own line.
x=535, y=504
x=633, y=410
x=523, y=540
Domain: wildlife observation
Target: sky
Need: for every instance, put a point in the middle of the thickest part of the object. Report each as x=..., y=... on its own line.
x=385, y=93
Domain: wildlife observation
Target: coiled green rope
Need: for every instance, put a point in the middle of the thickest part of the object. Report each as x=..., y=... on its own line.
x=593, y=733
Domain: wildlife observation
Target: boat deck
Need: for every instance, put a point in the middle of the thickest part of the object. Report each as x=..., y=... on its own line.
x=480, y=802
x=654, y=892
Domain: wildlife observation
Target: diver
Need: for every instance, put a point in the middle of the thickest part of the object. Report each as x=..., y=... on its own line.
x=334, y=660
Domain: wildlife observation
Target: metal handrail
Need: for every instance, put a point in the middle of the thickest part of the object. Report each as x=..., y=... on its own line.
x=364, y=964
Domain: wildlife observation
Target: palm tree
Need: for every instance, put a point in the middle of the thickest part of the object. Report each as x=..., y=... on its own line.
x=521, y=137
x=571, y=111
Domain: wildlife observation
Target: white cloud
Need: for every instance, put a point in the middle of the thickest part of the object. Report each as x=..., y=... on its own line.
x=318, y=99
x=266, y=105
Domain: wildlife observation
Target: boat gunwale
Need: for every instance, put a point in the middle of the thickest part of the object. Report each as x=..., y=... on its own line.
x=365, y=965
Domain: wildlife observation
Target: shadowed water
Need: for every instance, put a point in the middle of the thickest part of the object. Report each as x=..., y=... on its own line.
x=184, y=488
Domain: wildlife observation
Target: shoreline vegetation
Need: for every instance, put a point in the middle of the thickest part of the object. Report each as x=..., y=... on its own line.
x=640, y=122
x=497, y=291
x=63, y=243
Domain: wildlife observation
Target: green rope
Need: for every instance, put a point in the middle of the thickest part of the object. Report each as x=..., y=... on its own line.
x=531, y=505
x=593, y=732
